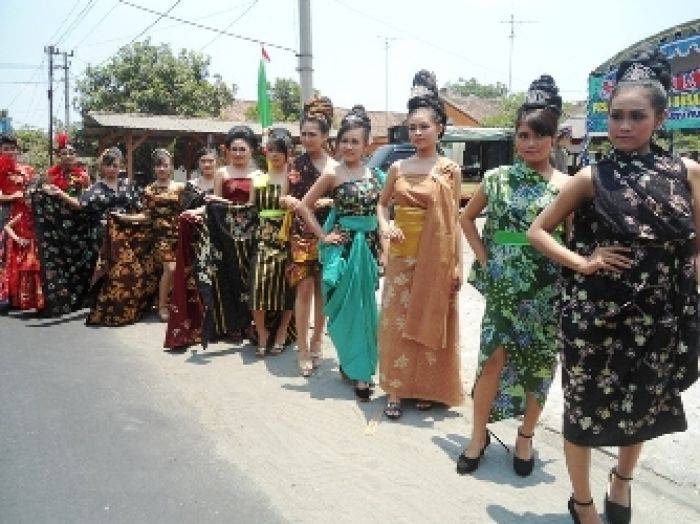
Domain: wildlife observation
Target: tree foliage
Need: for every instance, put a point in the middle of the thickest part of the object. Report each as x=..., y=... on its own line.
x=509, y=108
x=285, y=101
x=473, y=87
x=146, y=78
x=33, y=144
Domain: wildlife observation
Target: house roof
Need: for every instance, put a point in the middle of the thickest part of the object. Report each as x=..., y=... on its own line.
x=476, y=107
x=576, y=126
x=97, y=123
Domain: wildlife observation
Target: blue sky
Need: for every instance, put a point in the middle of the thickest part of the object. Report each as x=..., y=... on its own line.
x=454, y=38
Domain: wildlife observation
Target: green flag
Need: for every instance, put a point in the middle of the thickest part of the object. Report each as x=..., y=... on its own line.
x=264, y=110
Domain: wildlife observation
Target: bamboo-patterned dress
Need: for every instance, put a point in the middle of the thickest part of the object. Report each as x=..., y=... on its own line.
x=269, y=289
x=630, y=338
x=520, y=288
x=350, y=275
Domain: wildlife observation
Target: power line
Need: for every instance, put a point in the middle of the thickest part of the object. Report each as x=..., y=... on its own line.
x=252, y=4
x=79, y=18
x=92, y=30
x=64, y=20
x=162, y=28
x=417, y=37
x=16, y=65
x=209, y=28
x=162, y=15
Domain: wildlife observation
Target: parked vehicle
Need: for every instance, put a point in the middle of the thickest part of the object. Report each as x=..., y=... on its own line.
x=475, y=149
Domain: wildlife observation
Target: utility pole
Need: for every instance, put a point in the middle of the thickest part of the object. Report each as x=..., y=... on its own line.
x=305, y=56
x=387, y=39
x=511, y=37
x=51, y=51
x=66, y=87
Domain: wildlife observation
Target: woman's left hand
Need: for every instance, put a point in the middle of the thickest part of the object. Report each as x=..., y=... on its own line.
x=334, y=237
x=323, y=202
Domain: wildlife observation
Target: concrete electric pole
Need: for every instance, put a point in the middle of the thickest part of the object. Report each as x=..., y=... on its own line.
x=512, y=21
x=305, y=55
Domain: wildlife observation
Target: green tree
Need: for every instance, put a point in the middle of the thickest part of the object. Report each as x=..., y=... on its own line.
x=285, y=101
x=146, y=78
x=473, y=87
x=33, y=144
x=509, y=108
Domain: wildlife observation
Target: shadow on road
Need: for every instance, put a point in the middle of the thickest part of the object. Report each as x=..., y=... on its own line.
x=502, y=515
x=500, y=470
x=50, y=322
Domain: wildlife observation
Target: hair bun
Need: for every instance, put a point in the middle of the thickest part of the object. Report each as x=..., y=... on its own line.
x=357, y=114
x=543, y=93
x=648, y=64
x=319, y=107
x=424, y=84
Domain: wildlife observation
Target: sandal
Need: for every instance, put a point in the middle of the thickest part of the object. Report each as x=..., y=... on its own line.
x=393, y=410
x=260, y=352
x=423, y=405
x=316, y=353
x=363, y=394
x=277, y=349
x=164, y=313
x=306, y=366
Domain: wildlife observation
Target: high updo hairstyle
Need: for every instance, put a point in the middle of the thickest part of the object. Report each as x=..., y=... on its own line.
x=424, y=95
x=243, y=133
x=206, y=150
x=111, y=156
x=161, y=157
x=320, y=111
x=650, y=70
x=355, y=119
x=542, y=107
x=279, y=139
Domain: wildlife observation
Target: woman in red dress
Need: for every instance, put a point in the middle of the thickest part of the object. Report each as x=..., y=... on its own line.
x=22, y=279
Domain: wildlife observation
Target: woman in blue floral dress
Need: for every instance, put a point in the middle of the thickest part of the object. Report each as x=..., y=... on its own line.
x=518, y=351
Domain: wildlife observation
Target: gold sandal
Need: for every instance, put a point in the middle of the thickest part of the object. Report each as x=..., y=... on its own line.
x=306, y=366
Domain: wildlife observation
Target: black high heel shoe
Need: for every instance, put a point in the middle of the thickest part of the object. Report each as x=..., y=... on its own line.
x=572, y=508
x=614, y=512
x=468, y=464
x=521, y=466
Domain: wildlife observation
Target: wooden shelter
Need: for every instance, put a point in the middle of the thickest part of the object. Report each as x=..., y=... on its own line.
x=133, y=129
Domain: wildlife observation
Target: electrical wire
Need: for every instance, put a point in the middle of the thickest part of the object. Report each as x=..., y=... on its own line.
x=209, y=28
x=78, y=19
x=245, y=12
x=417, y=38
x=162, y=15
x=92, y=30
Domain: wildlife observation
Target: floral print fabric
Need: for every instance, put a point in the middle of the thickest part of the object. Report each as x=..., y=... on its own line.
x=629, y=339
x=520, y=288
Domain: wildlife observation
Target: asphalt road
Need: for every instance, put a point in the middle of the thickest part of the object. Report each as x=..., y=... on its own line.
x=88, y=434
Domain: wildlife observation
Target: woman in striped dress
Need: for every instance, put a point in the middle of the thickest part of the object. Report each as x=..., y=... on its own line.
x=269, y=290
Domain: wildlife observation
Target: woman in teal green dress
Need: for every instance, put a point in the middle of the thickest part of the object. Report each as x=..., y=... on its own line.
x=350, y=252
x=517, y=357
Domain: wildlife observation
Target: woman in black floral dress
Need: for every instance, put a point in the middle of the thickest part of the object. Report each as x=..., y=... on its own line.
x=629, y=301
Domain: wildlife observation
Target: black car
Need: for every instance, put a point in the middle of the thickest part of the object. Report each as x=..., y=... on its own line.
x=386, y=155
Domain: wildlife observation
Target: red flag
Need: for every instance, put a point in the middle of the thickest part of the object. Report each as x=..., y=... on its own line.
x=265, y=56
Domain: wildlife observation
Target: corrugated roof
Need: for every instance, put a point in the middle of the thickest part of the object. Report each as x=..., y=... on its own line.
x=102, y=122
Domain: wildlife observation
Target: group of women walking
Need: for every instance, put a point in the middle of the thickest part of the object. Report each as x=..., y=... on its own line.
x=598, y=269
